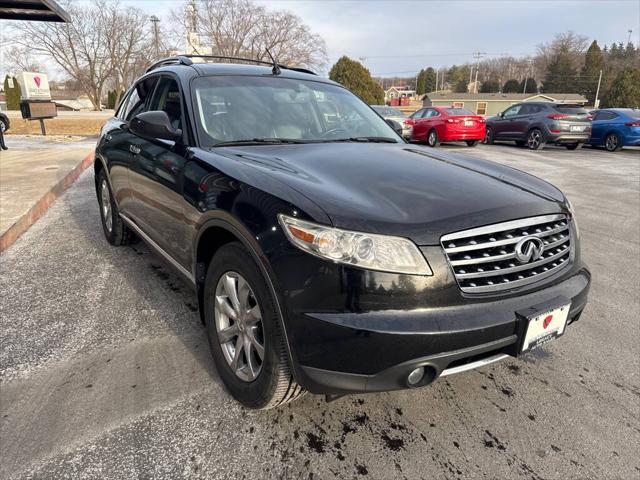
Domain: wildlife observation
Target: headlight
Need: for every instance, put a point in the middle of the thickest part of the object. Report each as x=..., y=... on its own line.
x=365, y=250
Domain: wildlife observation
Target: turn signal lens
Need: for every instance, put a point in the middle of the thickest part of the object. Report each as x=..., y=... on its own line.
x=365, y=250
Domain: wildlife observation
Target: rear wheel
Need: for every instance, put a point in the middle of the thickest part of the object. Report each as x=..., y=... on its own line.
x=472, y=143
x=612, y=142
x=115, y=231
x=535, y=140
x=488, y=136
x=432, y=139
x=246, y=341
x=573, y=146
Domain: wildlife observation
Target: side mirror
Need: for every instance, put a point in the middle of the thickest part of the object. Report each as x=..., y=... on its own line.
x=501, y=114
x=395, y=125
x=154, y=124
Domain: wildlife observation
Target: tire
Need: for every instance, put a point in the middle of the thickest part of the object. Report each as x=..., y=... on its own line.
x=257, y=383
x=115, y=231
x=472, y=143
x=535, y=139
x=612, y=142
x=573, y=146
x=488, y=136
x=3, y=126
x=432, y=138
x=520, y=143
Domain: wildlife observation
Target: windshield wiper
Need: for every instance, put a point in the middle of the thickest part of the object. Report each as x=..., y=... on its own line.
x=258, y=141
x=365, y=139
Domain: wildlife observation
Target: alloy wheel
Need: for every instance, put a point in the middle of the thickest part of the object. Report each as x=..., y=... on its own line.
x=239, y=326
x=534, y=139
x=487, y=136
x=612, y=142
x=432, y=138
x=105, y=204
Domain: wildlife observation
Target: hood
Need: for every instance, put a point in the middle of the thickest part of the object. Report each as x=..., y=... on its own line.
x=401, y=189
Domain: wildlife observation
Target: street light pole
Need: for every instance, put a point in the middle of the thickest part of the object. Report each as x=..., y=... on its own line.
x=596, y=102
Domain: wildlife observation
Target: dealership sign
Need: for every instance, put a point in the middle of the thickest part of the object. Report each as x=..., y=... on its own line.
x=34, y=86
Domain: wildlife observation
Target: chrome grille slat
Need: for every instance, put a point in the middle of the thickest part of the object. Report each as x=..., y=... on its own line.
x=484, y=259
x=508, y=241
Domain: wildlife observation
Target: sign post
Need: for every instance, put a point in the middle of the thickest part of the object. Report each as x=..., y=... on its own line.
x=36, y=101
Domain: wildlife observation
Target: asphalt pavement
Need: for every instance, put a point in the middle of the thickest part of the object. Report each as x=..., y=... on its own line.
x=105, y=370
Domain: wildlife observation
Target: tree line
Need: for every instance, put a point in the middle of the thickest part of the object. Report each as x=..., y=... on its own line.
x=107, y=46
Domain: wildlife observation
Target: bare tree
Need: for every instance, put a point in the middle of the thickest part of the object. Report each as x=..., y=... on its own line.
x=239, y=28
x=21, y=59
x=79, y=47
x=129, y=43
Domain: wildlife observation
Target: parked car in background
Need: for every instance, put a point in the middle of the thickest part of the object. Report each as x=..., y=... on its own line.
x=535, y=124
x=615, y=128
x=390, y=113
x=4, y=122
x=446, y=124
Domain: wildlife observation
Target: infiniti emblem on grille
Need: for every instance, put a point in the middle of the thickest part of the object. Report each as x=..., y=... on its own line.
x=529, y=249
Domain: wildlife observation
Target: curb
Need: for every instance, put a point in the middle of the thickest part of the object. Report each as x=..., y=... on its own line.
x=38, y=210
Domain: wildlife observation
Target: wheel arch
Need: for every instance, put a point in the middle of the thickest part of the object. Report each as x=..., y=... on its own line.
x=219, y=231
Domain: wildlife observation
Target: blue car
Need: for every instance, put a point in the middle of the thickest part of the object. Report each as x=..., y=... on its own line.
x=615, y=128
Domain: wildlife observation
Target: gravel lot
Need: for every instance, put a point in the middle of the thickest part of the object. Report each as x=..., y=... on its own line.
x=105, y=370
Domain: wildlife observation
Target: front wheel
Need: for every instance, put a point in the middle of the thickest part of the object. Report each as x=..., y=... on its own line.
x=432, y=139
x=488, y=136
x=535, y=141
x=247, y=343
x=612, y=143
x=472, y=143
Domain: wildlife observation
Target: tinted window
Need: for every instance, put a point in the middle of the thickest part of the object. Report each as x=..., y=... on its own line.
x=605, y=116
x=167, y=98
x=511, y=111
x=458, y=111
x=389, y=112
x=570, y=109
x=418, y=114
x=432, y=113
x=133, y=104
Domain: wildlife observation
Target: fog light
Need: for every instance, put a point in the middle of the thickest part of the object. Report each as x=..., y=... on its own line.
x=415, y=376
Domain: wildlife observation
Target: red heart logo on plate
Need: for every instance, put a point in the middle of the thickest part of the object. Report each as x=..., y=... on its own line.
x=37, y=80
x=547, y=321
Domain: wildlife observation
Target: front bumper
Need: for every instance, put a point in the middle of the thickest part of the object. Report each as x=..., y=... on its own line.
x=346, y=352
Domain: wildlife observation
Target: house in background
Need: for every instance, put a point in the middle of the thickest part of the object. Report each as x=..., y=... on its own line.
x=399, y=95
x=493, y=103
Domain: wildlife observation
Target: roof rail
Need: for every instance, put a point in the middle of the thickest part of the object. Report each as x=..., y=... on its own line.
x=187, y=60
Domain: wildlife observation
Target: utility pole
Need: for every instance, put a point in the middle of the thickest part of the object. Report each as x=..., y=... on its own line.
x=478, y=55
x=596, y=102
x=629, y=39
x=437, y=72
x=156, y=35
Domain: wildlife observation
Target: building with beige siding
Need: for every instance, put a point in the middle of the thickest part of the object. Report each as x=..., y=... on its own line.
x=492, y=103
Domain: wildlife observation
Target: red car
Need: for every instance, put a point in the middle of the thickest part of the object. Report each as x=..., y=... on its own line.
x=446, y=124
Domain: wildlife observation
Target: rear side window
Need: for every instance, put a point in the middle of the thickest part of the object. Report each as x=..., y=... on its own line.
x=458, y=111
x=570, y=109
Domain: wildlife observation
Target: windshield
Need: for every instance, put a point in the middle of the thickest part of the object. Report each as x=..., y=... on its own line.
x=388, y=112
x=458, y=111
x=246, y=109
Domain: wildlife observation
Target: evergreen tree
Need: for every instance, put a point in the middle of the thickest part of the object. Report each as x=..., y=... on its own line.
x=511, y=86
x=529, y=86
x=12, y=94
x=625, y=90
x=429, y=80
x=561, y=75
x=354, y=76
x=593, y=64
x=420, y=84
x=490, y=86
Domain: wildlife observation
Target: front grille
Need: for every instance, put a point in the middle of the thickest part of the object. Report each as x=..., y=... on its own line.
x=484, y=259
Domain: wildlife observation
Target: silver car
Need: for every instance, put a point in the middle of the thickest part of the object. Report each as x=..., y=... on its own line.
x=390, y=113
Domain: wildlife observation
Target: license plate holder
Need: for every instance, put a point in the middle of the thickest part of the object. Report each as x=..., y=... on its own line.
x=577, y=128
x=544, y=322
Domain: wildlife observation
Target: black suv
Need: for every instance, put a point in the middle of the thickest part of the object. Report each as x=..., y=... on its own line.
x=326, y=253
x=535, y=124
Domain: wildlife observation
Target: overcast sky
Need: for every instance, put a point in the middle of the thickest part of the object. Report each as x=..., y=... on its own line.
x=403, y=36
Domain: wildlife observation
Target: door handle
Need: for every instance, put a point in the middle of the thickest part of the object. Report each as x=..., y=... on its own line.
x=133, y=149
